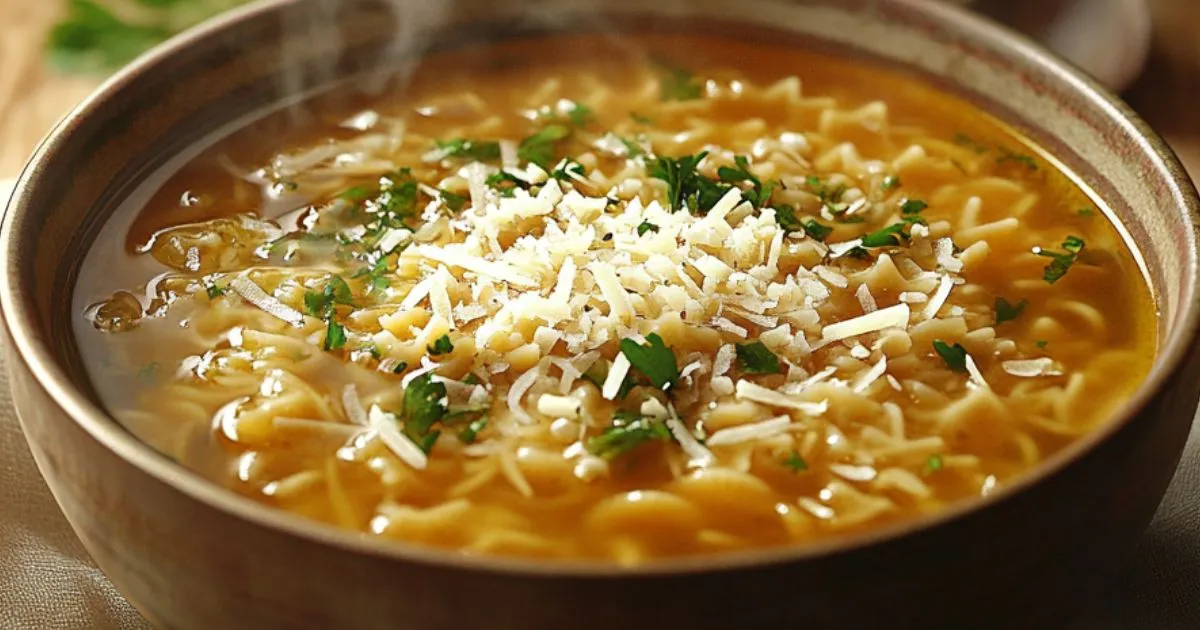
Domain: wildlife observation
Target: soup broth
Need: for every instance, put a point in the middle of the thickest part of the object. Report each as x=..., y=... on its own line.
x=702, y=297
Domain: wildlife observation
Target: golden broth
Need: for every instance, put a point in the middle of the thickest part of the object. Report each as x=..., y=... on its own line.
x=300, y=384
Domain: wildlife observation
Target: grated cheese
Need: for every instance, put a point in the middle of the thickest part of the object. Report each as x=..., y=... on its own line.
x=255, y=295
x=890, y=317
x=616, y=376
x=939, y=298
x=387, y=428
x=750, y=432
x=1031, y=368
x=746, y=390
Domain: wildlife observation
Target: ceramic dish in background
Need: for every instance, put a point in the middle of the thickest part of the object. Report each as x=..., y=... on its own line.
x=190, y=555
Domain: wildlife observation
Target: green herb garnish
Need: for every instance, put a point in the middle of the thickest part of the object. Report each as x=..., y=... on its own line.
x=1041, y=343
x=567, y=169
x=759, y=194
x=795, y=462
x=654, y=360
x=1061, y=261
x=678, y=84
x=885, y=237
x=441, y=345
x=214, y=290
x=891, y=182
x=1008, y=156
x=686, y=187
x=1085, y=212
x=646, y=226
x=964, y=140
x=955, y=356
x=540, y=147
x=1007, y=311
x=933, y=464
x=453, y=201
x=471, y=431
x=640, y=119
x=424, y=406
x=91, y=38
x=323, y=304
x=335, y=335
x=627, y=434
x=580, y=115
x=478, y=150
x=756, y=358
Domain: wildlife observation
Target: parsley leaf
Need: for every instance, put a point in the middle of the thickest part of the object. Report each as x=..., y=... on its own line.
x=646, y=226
x=933, y=464
x=912, y=207
x=1009, y=156
x=1041, y=343
x=580, y=115
x=678, y=84
x=1085, y=212
x=424, y=406
x=468, y=434
x=540, y=147
x=627, y=433
x=323, y=304
x=686, y=187
x=505, y=183
x=478, y=150
x=567, y=169
x=1061, y=263
x=1007, y=311
x=831, y=198
x=758, y=194
x=955, y=356
x=795, y=462
x=755, y=358
x=214, y=291
x=441, y=345
x=963, y=140
x=817, y=231
x=885, y=237
x=453, y=201
x=335, y=335
x=640, y=119
x=890, y=182
x=654, y=360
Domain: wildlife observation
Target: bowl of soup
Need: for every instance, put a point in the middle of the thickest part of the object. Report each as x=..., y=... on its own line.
x=384, y=314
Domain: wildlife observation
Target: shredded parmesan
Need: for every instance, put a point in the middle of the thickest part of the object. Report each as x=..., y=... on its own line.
x=746, y=390
x=616, y=376
x=699, y=457
x=890, y=317
x=750, y=432
x=939, y=298
x=974, y=373
x=254, y=294
x=870, y=376
x=1031, y=368
x=353, y=406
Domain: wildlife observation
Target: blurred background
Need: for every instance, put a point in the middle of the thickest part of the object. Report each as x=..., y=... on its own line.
x=53, y=52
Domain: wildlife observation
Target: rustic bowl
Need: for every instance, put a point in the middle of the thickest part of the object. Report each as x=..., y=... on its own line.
x=191, y=555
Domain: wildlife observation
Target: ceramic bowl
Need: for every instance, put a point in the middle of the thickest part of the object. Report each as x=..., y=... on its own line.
x=191, y=555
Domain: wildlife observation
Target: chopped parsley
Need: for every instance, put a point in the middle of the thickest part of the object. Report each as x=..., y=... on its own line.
x=335, y=335
x=453, y=201
x=580, y=115
x=441, y=345
x=376, y=275
x=885, y=237
x=963, y=140
x=424, y=406
x=355, y=194
x=505, y=183
x=478, y=150
x=678, y=84
x=1061, y=262
x=933, y=464
x=628, y=432
x=396, y=201
x=632, y=147
x=785, y=216
x=817, y=231
x=1007, y=311
x=795, y=462
x=654, y=360
x=955, y=356
x=399, y=367
x=1085, y=212
x=755, y=358
x=540, y=147
x=567, y=169
x=913, y=208
x=891, y=182
x=91, y=38
x=1041, y=343
x=646, y=226
x=323, y=304
x=214, y=290
x=686, y=187
x=640, y=119
x=468, y=434
x=759, y=194
x=1008, y=156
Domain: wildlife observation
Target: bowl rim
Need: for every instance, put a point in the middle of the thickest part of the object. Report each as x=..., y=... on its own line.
x=20, y=326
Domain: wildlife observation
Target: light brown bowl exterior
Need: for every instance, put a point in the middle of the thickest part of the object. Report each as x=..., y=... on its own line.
x=191, y=556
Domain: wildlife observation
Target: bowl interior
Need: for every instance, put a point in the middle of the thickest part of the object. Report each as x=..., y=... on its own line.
x=254, y=59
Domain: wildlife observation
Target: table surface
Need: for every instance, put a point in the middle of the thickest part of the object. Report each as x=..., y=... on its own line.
x=1156, y=592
